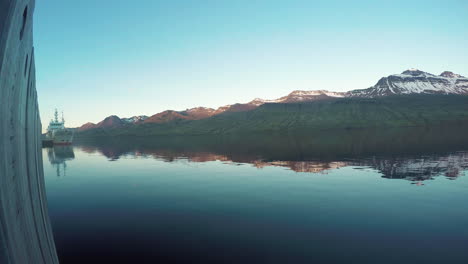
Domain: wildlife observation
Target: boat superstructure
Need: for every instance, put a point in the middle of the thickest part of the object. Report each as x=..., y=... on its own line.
x=57, y=133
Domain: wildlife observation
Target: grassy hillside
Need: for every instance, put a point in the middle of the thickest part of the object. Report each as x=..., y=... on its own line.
x=394, y=111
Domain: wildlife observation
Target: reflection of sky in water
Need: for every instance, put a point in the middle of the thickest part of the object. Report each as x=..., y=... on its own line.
x=198, y=209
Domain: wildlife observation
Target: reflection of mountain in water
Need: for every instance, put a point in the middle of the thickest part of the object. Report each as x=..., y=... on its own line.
x=304, y=166
x=58, y=155
x=397, y=154
x=410, y=168
x=419, y=168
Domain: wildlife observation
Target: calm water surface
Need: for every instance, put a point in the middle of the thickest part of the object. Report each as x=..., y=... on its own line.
x=121, y=204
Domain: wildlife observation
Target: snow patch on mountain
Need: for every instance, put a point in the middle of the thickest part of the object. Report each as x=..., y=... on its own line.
x=299, y=96
x=200, y=109
x=134, y=119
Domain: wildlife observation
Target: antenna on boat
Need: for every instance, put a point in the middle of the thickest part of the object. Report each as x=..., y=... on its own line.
x=63, y=119
x=56, y=115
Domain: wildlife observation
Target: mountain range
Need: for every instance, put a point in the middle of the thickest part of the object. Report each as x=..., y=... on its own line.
x=409, y=82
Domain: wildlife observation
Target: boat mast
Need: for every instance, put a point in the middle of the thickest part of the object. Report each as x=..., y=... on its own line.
x=56, y=115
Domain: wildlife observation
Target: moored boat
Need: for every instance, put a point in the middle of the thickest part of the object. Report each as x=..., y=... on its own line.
x=57, y=133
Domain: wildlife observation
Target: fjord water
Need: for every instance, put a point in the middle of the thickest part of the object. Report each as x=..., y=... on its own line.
x=360, y=197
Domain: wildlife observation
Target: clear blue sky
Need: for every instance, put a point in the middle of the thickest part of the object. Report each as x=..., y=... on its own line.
x=97, y=58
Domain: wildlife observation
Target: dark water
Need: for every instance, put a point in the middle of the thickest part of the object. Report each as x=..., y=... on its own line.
x=351, y=197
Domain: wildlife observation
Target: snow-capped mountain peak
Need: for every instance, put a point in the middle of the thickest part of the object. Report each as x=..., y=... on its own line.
x=449, y=74
x=416, y=72
x=257, y=101
x=414, y=81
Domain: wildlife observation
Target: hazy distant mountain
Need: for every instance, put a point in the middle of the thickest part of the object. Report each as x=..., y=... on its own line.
x=411, y=81
x=198, y=112
x=86, y=126
x=205, y=112
x=189, y=114
x=113, y=122
x=166, y=116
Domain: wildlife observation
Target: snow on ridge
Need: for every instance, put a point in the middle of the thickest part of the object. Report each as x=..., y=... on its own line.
x=301, y=93
x=297, y=96
x=418, y=73
x=427, y=75
x=201, y=108
x=260, y=101
x=134, y=119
